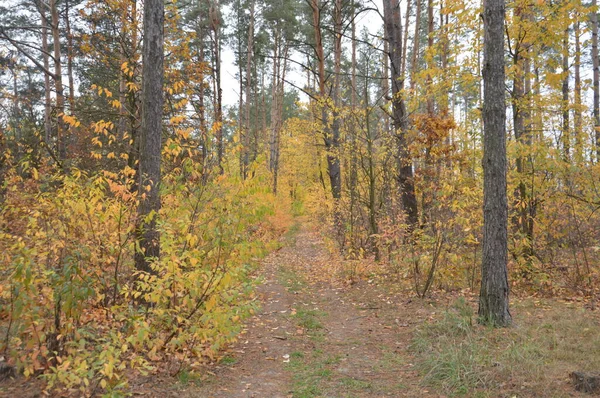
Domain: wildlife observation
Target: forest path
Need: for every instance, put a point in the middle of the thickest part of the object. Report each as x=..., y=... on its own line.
x=316, y=336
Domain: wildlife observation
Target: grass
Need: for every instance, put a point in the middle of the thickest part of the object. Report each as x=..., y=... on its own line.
x=390, y=359
x=291, y=234
x=186, y=377
x=228, y=360
x=533, y=358
x=310, y=372
x=293, y=282
x=353, y=384
x=297, y=208
x=309, y=319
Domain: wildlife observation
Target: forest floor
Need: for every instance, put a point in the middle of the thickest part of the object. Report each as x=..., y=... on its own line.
x=322, y=331
x=319, y=335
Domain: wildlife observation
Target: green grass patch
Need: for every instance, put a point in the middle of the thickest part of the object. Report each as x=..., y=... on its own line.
x=533, y=358
x=297, y=208
x=390, y=359
x=311, y=372
x=187, y=377
x=353, y=384
x=291, y=280
x=309, y=319
x=291, y=234
x=228, y=360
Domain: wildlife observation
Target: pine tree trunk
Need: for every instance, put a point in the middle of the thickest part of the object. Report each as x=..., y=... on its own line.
x=493, y=298
x=431, y=50
x=58, y=85
x=521, y=123
x=215, y=25
x=353, y=174
x=566, y=133
x=393, y=30
x=405, y=43
x=46, y=61
x=596, y=78
x=273, y=141
x=70, y=58
x=578, y=120
x=246, y=127
x=150, y=137
x=133, y=102
x=416, y=49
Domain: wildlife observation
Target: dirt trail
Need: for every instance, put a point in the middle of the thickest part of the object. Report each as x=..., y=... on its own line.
x=316, y=337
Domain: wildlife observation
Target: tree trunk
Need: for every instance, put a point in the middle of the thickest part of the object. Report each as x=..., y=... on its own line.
x=385, y=82
x=274, y=138
x=353, y=174
x=246, y=127
x=204, y=141
x=405, y=43
x=133, y=102
x=416, y=49
x=578, y=120
x=431, y=51
x=70, y=59
x=150, y=137
x=521, y=122
x=566, y=133
x=215, y=25
x=393, y=30
x=280, y=54
x=58, y=85
x=493, y=297
x=372, y=179
x=46, y=61
x=596, y=78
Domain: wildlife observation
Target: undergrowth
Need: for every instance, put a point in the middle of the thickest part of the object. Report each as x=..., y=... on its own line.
x=75, y=311
x=533, y=358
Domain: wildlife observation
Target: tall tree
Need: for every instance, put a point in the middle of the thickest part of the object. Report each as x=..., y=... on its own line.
x=150, y=137
x=493, y=297
x=393, y=30
x=596, y=77
x=215, y=37
x=566, y=134
x=58, y=84
x=578, y=121
x=245, y=152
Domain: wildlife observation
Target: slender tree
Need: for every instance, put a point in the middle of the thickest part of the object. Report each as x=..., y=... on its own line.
x=58, y=84
x=493, y=297
x=596, y=77
x=393, y=31
x=150, y=137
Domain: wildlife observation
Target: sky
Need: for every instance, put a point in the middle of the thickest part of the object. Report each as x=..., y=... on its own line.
x=370, y=19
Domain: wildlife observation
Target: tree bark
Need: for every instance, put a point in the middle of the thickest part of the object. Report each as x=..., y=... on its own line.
x=416, y=49
x=578, y=120
x=150, y=137
x=246, y=127
x=70, y=58
x=430, y=55
x=493, y=297
x=393, y=30
x=215, y=25
x=596, y=78
x=46, y=61
x=521, y=106
x=58, y=85
x=566, y=133
x=405, y=43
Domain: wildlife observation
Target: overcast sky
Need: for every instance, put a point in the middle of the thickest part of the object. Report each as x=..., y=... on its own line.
x=370, y=19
